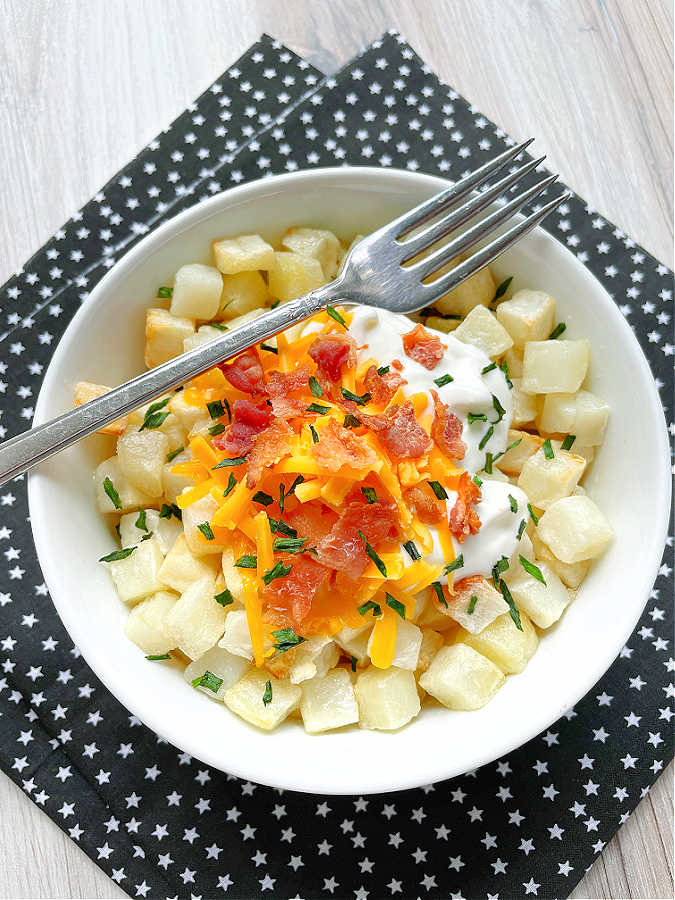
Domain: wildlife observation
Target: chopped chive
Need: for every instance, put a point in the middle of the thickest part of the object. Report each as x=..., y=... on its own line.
x=454, y=565
x=557, y=331
x=501, y=289
x=438, y=490
x=231, y=484
x=367, y=606
x=383, y=370
x=395, y=604
x=477, y=481
x=118, y=530
x=282, y=497
x=499, y=409
x=277, y=526
x=146, y=537
x=165, y=292
x=208, y=680
x=532, y=570
x=225, y=598
x=174, y=453
x=500, y=566
x=224, y=463
x=351, y=421
x=170, y=509
x=379, y=565
x=315, y=387
x=216, y=429
x=141, y=520
x=472, y=605
x=296, y=481
x=369, y=494
x=334, y=314
x=227, y=409
x=567, y=443
x=354, y=661
x=533, y=515
x=476, y=417
x=513, y=609
x=117, y=554
x=267, y=693
x=289, y=545
x=247, y=561
x=278, y=570
x=432, y=311
x=269, y=348
x=109, y=488
x=486, y=437
x=318, y=408
x=156, y=656
x=548, y=449
x=489, y=459
x=315, y=436
x=504, y=366
x=286, y=639
x=412, y=550
x=521, y=528
x=438, y=587
x=513, y=503
x=359, y=399
x=262, y=497
x=443, y=380
x=215, y=408
x=219, y=326
x=205, y=529
x=493, y=365
x=153, y=417
x=274, y=304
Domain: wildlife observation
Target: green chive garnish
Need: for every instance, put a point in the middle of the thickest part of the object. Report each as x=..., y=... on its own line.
x=438, y=587
x=216, y=429
x=117, y=554
x=231, y=484
x=153, y=417
x=278, y=570
x=472, y=605
x=262, y=497
x=533, y=515
x=438, y=490
x=207, y=680
x=477, y=481
x=489, y=459
x=383, y=370
x=500, y=566
x=334, y=314
x=289, y=545
x=313, y=432
x=359, y=399
x=567, y=443
x=286, y=639
x=109, y=488
x=412, y=550
x=443, y=380
x=247, y=561
x=476, y=417
x=219, y=326
x=156, y=656
x=395, y=604
x=318, y=408
x=513, y=609
x=215, y=408
x=379, y=565
x=548, y=449
x=367, y=606
x=205, y=529
x=267, y=695
x=486, y=437
x=165, y=292
x=499, y=409
x=170, y=509
x=315, y=387
x=454, y=565
x=369, y=494
x=521, y=528
x=501, y=289
x=174, y=453
x=351, y=421
x=489, y=368
x=225, y=598
x=141, y=520
x=269, y=348
x=532, y=570
x=224, y=463
x=557, y=331
x=513, y=503
x=354, y=661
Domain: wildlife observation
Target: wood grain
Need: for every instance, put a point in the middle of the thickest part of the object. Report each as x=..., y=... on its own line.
x=84, y=85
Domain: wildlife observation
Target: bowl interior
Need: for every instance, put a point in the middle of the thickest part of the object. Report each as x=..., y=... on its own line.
x=104, y=344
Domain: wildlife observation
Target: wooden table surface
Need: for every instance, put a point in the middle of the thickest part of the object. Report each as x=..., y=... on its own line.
x=84, y=85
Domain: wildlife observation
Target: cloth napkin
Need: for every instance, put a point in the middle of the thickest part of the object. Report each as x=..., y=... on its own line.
x=164, y=825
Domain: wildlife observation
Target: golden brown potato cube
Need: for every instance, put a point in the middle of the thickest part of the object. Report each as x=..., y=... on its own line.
x=244, y=253
x=86, y=391
x=294, y=275
x=511, y=463
x=242, y=293
x=315, y=242
x=483, y=330
x=164, y=336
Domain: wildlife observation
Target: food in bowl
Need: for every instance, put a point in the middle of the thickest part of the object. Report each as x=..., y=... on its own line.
x=367, y=512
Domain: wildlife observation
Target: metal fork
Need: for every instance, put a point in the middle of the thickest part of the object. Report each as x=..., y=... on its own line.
x=383, y=270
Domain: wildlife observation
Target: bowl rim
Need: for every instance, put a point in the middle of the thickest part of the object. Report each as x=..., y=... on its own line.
x=106, y=671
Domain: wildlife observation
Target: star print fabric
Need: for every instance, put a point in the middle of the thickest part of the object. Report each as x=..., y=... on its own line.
x=160, y=823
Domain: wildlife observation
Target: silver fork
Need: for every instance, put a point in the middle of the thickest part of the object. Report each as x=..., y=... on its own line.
x=382, y=270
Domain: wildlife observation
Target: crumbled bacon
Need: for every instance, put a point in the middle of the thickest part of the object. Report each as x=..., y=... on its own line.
x=397, y=364
x=463, y=517
x=280, y=387
x=245, y=373
x=248, y=420
x=382, y=387
x=343, y=548
x=311, y=520
x=269, y=447
x=332, y=352
x=446, y=429
x=339, y=446
x=422, y=346
x=465, y=586
x=295, y=593
x=424, y=504
x=399, y=431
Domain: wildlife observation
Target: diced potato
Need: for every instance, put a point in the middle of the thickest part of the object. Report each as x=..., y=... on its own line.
x=461, y=678
x=547, y=480
x=314, y=657
x=328, y=703
x=513, y=460
x=180, y=568
x=489, y=604
x=245, y=317
x=137, y=576
x=129, y=496
x=242, y=254
x=294, y=275
x=583, y=414
x=432, y=641
x=164, y=336
x=317, y=243
x=554, y=366
x=544, y=604
x=524, y=405
x=514, y=362
x=194, y=515
x=527, y=316
x=574, y=529
x=220, y=663
x=482, y=329
x=475, y=291
x=188, y=415
x=407, y=648
x=237, y=637
x=146, y=623
x=173, y=485
x=232, y=576
x=503, y=643
x=245, y=698
x=440, y=324
x=196, y=292
x=86, y=391
x=242, y=293
x=354, y=642
x=197, y=620
x=523, y=548
x=387, y=698
x=571, y=574
x=173, y=429
x=165, y=530
x=202, y=335
x=142, y=455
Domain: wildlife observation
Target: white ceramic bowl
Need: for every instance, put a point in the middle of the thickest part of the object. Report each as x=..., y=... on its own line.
x=629, y=480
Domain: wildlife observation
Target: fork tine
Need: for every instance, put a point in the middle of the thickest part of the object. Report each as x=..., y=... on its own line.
x=462, y=214
x=435, y=205
x=480, y=259
x=427, y=266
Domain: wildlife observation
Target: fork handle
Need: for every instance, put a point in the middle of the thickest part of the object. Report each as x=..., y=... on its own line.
x=26, y=450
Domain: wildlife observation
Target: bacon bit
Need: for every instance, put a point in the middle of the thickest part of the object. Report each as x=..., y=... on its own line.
x=269, y=447
x=339, y=446
x=280, y=385
x=423, y=347
x=245, y=373
x=295, y=593
x=463, y=518
x=399, y=432
x=311, y=520
x=397, y=364
x=446, y=429
x=248, y=420
x=332, y=352
x=468, y=584
x=342, y=548
x=424, y=504
x=382, y=387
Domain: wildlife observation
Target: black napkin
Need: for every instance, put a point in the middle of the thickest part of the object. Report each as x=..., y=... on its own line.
x=162, y=824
